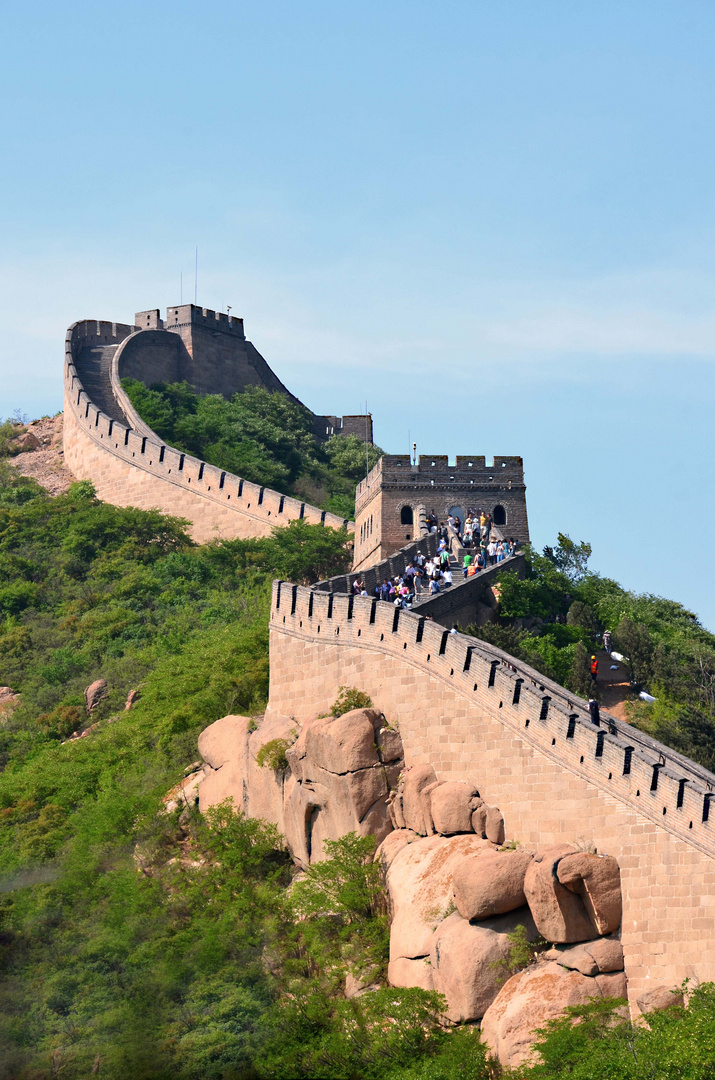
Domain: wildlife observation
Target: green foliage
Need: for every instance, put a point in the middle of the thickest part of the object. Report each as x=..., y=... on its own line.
x=273, y=755
x=553, y=620
x=598, y=1042
x=306, y=553
x=569, y=557
x=264, y=437
x=522, y=952
x=9, y=430
x=348, y=699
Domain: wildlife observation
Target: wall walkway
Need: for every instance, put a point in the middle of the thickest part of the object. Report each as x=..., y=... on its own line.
x=477, y=714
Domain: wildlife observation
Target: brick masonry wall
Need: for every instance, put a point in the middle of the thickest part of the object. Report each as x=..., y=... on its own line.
x=477, y=715
x=133, y=469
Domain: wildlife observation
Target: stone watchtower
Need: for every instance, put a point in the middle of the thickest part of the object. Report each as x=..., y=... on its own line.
x=394, y=499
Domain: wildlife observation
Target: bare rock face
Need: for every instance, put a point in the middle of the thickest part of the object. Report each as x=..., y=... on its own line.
x=451, y=805
x=95, y=692
x=479, y=820
x=597, y=880
x=338, y=782
x=345, y=744
x=592, y=958
x=393, y=843
x=9, y=700
x=660, y=997
x=264, y=785
x=528, y=1000
x=494, y=825
x=405, y=973
x=27, y=441
x=224, y=747
x=490, y=883
x=132, y=698
x=559, y=913
x=420, y=887
x=416, y=810
x=337, y=778
x=463, y=956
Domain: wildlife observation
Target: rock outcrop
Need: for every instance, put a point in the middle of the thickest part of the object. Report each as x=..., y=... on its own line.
x=490, y=883
x=95, y=693
x=531, y=998
x=466, y=958
x=455, y=892
x=660, y=997
x=559, y=913
x=323, y=779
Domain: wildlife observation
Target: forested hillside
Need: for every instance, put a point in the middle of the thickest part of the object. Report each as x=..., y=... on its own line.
x=263, y=437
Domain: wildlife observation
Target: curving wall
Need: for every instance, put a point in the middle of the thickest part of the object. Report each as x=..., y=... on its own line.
x=477, y=714
x=105, y=441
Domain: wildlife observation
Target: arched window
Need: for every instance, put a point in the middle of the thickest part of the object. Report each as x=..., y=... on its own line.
x=406, y=515
x=499, y=515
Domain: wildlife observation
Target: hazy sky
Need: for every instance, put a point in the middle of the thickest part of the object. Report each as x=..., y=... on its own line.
x=493, y=221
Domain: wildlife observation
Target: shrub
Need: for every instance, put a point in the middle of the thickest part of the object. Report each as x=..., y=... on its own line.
x=348, y=699
x=273, y=755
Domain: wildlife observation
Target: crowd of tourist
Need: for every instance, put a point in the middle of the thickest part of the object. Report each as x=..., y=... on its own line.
x=482, y=545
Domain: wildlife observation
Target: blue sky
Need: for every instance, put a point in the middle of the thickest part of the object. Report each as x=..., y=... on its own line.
x=493, y=221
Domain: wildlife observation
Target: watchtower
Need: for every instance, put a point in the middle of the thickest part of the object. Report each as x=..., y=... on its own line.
x=393, y=501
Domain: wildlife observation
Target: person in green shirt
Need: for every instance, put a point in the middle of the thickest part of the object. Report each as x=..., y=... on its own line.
x=467, y=563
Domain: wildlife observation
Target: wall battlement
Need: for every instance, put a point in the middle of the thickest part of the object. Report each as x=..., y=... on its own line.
x=481, y=716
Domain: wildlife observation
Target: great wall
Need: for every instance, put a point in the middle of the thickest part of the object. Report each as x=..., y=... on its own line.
x=475, y=716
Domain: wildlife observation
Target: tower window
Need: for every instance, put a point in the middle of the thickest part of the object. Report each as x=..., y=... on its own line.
x=406, y=515
x=499, y=515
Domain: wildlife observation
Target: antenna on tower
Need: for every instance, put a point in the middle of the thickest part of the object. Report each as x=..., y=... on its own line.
x=367, y=455
x=196, y=273
x=181, y=287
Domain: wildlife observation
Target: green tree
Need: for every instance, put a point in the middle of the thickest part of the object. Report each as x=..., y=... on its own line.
x=569, y=557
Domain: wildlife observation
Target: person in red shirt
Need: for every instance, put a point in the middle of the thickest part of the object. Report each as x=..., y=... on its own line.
x=594, y=669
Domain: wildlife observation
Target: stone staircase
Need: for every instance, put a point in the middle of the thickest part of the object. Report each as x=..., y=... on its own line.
x=94, y=367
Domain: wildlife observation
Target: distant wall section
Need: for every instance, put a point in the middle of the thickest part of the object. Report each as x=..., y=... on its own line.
x=130, y=466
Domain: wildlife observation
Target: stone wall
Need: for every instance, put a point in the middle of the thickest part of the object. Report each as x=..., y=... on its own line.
x=129, y=468
x=478, y=715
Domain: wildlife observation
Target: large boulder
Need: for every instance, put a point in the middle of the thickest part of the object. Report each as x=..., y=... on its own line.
x=415, y=798
x=346, y=743
x=490, y=883
x=94, y=694
x=451, y=805
x=392, y=845
x=592, y=958
x=531, y=998
x=404, y=972
x=420, y=887
x=494, y=825
x=597, y=880
x=559, y=913
x=660, y=997
x=466, y=957
x=224, y=747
